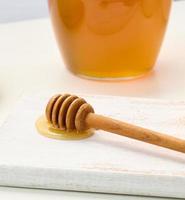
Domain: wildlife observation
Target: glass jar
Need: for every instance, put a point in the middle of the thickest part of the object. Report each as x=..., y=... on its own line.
x=109, y=39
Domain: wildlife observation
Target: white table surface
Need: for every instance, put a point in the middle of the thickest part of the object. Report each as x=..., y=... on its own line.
x=30, y=62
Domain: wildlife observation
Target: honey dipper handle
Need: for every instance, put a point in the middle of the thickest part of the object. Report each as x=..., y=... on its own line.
x=135, y=132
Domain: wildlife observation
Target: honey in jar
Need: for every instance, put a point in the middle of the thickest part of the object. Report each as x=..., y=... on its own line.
x=109, y=38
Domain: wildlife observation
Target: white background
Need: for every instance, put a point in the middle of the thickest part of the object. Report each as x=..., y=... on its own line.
x=14, y=10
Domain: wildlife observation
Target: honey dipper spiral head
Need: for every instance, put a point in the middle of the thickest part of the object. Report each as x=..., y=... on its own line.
x=68, y=112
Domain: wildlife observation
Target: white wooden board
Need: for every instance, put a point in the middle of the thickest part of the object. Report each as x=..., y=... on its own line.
x=104, y=163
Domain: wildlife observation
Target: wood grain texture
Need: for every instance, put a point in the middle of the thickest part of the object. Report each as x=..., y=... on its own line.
x=105, y=162
x=134, y=132
x=72, y=113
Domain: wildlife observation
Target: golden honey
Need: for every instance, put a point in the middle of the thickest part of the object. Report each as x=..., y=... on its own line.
x=47, y=130
x=109, y=38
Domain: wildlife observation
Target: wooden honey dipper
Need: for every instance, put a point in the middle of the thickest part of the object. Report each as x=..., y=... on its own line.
x=69, y=112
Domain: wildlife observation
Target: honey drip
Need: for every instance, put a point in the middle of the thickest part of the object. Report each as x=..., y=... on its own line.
x=46, y=129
